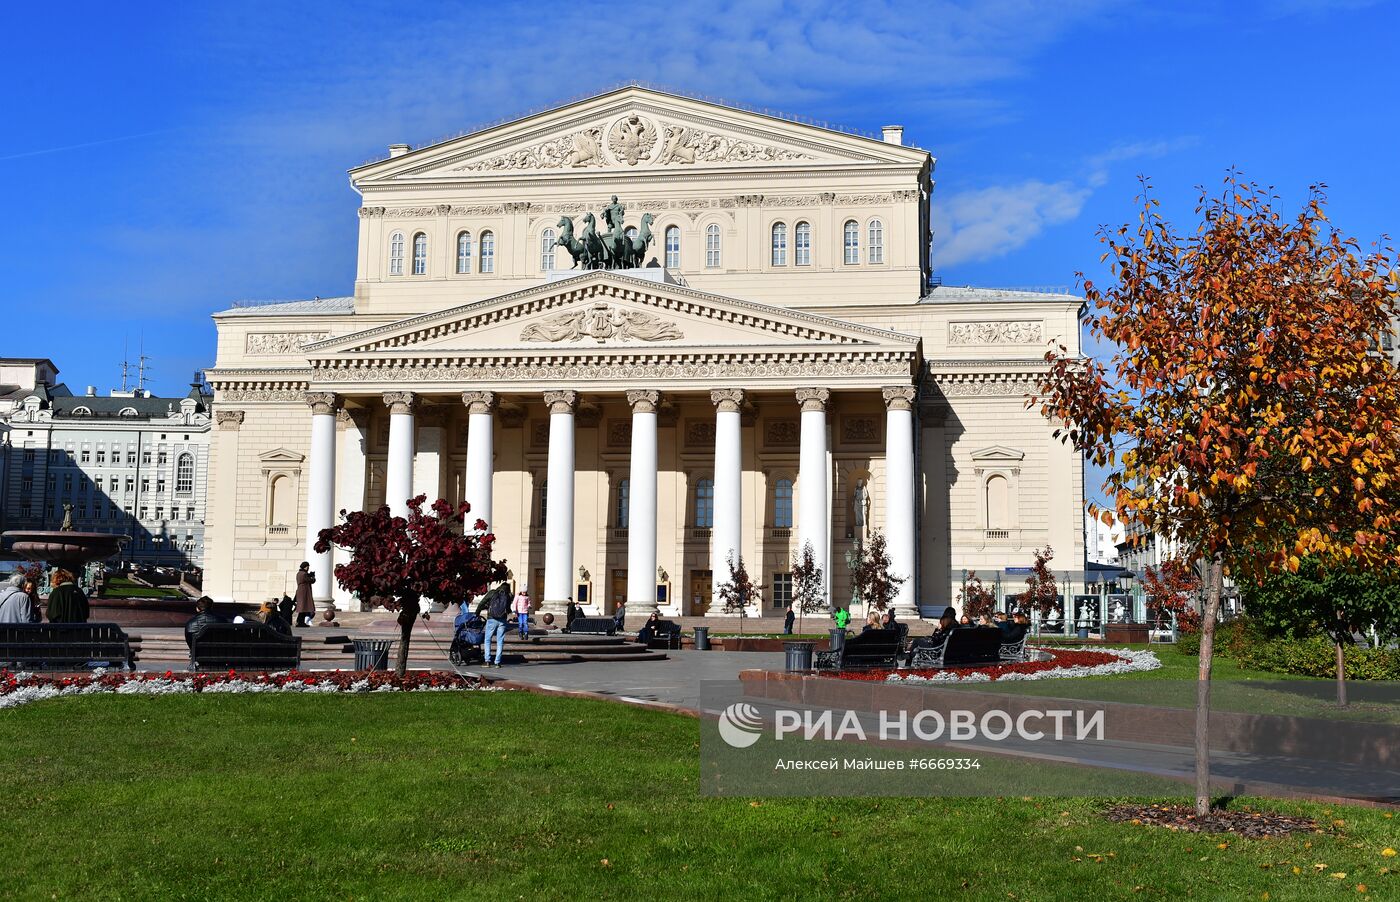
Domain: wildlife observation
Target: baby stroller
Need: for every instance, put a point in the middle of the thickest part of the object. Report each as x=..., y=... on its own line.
x=468, y=639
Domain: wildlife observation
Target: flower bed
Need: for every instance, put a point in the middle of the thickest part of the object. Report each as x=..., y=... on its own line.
x=21, y=688
x=1063, y=664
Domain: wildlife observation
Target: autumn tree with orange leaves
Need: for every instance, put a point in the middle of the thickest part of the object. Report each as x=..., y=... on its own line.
x=1243, y=413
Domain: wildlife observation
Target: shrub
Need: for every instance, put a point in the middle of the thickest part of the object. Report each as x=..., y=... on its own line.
x=1317, y=657
x=1188, y=643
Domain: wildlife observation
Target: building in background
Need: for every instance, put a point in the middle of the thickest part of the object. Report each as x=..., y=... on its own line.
x=1102, y=541
x=128, y=463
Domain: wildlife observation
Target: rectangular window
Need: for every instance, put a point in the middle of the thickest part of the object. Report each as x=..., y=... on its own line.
x=782, y=589
x=29, y=455
x=130, y=483
x=160, y=485
x=24, y=509
x=161, y=459
x=145, y=485
x=130, y=458
x=160, y=513
x=101, y=458
x=26, y=484
x=145, y=513
x=189, y=513
x=86, y=456
x=145, y=458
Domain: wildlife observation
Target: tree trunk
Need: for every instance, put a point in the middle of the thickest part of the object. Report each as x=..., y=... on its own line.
x=1341, y=676
x=1216, y=577
x=407, y=617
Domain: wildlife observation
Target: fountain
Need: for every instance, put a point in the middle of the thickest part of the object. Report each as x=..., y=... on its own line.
x=73, y=551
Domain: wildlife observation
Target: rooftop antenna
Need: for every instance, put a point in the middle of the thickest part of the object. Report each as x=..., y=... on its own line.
x=125, y=365
x=141, y=365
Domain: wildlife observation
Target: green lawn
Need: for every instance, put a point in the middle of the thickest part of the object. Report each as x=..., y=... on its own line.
x=121, y=587
x=510, y=795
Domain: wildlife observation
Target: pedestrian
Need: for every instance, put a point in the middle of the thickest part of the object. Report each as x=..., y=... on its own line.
x=570, y=614
x=15, y=604
x=620, y=615
x=843, y=617
x=522, y=612
x=497, y=618
x=788, y=619
x=305, y=606
x=67, y=603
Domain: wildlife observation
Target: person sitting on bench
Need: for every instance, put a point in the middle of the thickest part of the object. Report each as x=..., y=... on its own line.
x=273, y=620
x=648, y=630
x=203, y=616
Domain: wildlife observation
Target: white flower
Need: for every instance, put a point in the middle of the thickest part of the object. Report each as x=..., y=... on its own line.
x=1130, y=661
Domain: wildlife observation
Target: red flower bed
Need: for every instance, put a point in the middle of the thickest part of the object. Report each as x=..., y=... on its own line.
x=341, y=679
x=1059, y=660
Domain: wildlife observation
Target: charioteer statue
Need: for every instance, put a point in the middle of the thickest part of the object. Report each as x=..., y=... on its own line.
x=613, y=249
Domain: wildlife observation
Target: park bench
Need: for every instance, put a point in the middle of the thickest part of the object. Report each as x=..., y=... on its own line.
x=244, y=646
x=592, y=626
x=665, y=634
x=1014, y=650
x=64, y=646
x=869, y=650
x=964, y=645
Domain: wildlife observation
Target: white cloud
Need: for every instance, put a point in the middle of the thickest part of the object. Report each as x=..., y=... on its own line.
x=990, y=222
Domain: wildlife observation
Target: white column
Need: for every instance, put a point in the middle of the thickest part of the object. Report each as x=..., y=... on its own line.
x=900, y=526
x=398, y=480
x=641, y=504
x=559, y=513
x=814, y=524
x=725, y=535
x=349, y=487
x=320, y=489
x=481, y=453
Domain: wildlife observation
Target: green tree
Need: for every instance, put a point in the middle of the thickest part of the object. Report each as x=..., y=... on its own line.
x=808, y=584
x=875, y=585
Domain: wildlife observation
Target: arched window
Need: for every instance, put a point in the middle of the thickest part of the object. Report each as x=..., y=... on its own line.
x=420, y=254
x=876, y=242
x=546, y=250
x=488, y=252
x=705, y=504
x=803, y=245
x=998, y=502
x=850, y=238
x=621, y=515
x=396, y=254
x=712, y=248
x=779, y=244
x=673, y=247
x=782, y=504
x=464, y=252
x=184, y=474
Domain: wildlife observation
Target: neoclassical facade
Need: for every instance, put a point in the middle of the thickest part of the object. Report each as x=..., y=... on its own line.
x=773, y=368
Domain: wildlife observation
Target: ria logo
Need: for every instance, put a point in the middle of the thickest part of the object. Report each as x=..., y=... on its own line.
x=740, y=725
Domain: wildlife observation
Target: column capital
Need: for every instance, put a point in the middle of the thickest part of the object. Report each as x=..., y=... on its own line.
x=644, y=400
x=322, y=403
x=813, y=398
x=345, y=417
x=400, y=401
x=900, y=397
x=229, y=419
x=561, y=401
x=727, y=400
x=479, y=401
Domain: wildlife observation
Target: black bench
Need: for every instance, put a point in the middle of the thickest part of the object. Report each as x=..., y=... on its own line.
x=869, y=650
x=244, y=646
x=65, y=646
x=664, y=634
x=592, y=626
x=965, y=645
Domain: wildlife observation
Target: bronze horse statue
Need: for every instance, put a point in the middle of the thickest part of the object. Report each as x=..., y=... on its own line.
x=576, y=248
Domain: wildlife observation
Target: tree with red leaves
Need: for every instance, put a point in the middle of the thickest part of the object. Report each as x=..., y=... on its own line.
x=976, y=599
x=1042, y=594
x=1169, y=590
x=399, y=561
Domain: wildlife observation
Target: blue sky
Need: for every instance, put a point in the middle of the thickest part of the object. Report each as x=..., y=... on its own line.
x=163, y=160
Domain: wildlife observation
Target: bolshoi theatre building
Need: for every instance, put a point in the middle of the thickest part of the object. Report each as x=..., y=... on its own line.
x=641, y=334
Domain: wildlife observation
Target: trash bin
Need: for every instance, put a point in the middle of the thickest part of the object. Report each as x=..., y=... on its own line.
x=799, y=656
x=702, y=638
x=1083, y=632
x=838, y=638
x=372, y=654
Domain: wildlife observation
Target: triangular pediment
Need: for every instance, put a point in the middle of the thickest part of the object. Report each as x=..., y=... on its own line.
x=998, y=454
x=607, y=311
x=281, y=457
x=633, y=129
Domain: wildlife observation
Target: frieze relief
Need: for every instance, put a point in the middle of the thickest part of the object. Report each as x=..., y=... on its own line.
x=620, y=433
x=700, y=433
x=631, y=139
x=781, y=433
x=687, y=145
x=864, y=199
x=995, y=333
x=261, y=394
x=281, y=342
x=574, y=151
x=858, y=430
x=602, y=322
x=539, y=433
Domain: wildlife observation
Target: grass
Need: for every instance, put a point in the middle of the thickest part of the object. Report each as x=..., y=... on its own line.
x=121, y=587
x=510, y=795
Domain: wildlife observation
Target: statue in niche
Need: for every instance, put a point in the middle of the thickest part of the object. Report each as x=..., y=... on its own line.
x=860, y=512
